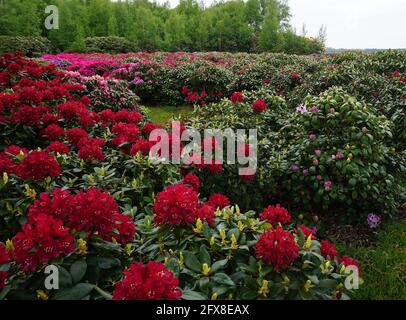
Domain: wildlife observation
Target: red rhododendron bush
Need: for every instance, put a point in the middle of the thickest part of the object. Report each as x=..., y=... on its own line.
x=79, y=193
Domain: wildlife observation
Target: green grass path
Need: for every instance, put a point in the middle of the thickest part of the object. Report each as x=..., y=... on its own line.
x=162, y=114
x=383, y=265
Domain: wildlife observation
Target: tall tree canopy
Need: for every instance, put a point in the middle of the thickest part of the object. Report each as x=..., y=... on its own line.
x=234, y=25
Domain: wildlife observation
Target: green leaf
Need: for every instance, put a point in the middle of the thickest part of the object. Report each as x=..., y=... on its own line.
x=327, y=283
x=220, y=289
x=249, y=295
x=104, y=262
x=313, y=279
x=203, y=282
x=204, y=255
x=192, y=295
x=218, y=265
x=65, y=279
x=352, y=182
x=192, y=262
x=4, y=292
x=103, y=293
x=77, y=292
x=78, y=270
x=222, y=278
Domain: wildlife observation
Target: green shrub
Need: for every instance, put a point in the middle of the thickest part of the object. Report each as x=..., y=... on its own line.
x=31, y=46
x=225, y=114
x=108, y=93
x=337, y=161
x=109, y=45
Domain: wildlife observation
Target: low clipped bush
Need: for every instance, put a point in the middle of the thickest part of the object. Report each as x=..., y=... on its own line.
x=198, y=81
x=109, y=45
x=31, y=46
x=107, y=93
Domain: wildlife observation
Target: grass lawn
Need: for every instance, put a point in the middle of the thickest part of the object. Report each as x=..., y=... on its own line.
x=162, y=114
x=383, y=265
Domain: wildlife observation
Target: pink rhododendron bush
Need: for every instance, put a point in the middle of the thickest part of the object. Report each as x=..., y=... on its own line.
x=80, y=196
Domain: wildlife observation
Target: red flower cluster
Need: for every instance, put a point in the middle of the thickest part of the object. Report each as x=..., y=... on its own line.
x=125, y=133
x=149, y=127
x=192, y=180
x=73, y=111
x=42, y=239
x=347, y=261
x=218, y=200
x=278, y=248
x=106, y=117
x=91, y=152
x=74, y=135
x=56, y=205
x=276, y=214
x=214, y=168
x=124, y=115
x=328, y=250
x=97, y=211
x=58, y=147
x=7, y=162
x=91, y=211
x=4, y=258
x=38, y=165
x=307, y=231
x=206, y=213
x=142, y=145
x=33, y=99
x=147, y=282
x=16, y=150
x=176, y=204
x=30, y=116
x=259, y=105
x=4, y=255
x=90, y=149
x=193, y=97
x=294, y=75
x=53, y=132
x=237, y=97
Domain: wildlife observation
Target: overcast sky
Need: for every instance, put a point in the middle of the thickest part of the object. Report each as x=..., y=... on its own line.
x=351, y=23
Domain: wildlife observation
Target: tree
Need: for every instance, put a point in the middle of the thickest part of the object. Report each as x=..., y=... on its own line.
x=19, y=18
x=233, y=25
x=322, y=34
x=253, y=14
x=175, y=32
x=79, y=44
x=112, y=27
x=269, y=37
x=304, y=30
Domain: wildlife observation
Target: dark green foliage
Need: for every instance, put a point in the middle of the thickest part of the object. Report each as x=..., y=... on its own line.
x=111, y=44
x=233, y=26
x=31, y=46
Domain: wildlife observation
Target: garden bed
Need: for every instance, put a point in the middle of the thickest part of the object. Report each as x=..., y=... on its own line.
x=79, y=192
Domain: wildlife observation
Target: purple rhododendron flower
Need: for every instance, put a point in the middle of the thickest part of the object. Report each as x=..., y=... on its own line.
x=301, y=109
x=373, y=220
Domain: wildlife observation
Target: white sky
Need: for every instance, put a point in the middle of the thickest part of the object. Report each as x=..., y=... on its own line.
x=350, y=23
